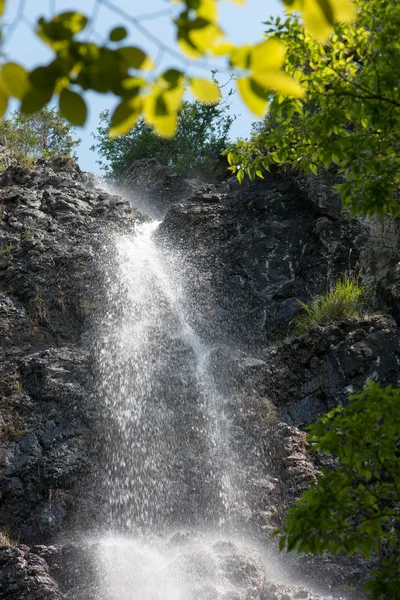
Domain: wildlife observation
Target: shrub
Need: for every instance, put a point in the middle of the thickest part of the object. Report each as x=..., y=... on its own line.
x=27, y=138
x=346, y=299
x=202, y=134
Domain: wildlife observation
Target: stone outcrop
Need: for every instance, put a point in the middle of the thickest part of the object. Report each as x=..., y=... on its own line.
x=52, y=226
x=251, y=252
x=261, y=247
x=154, y=187
x=24, y=575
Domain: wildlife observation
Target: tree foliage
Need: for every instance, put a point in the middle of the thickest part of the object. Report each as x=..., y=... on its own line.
x=131, y=75
x=42, y=135
x=201, y=135
x=351, y=114
x=355, y=507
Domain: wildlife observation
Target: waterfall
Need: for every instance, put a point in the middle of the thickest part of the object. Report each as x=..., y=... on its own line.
x=173, y=484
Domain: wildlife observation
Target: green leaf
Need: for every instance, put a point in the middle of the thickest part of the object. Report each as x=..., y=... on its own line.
x=35, y=99
x=3, y=101
x=15, y=80
x=118, y=34
x=45, y=77
x=135, y=58
x=173, y=77
x=125, y=116
x=68, y=24
x=2, y=7
x=73, y=107
x=61, y=29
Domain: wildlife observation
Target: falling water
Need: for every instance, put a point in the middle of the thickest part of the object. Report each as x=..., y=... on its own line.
x=169, y=461
x=168, y=457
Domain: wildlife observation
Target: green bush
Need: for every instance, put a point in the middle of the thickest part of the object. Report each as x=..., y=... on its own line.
x=356, y=506
x=346, y=299
x=202, y=134
x=26, y=138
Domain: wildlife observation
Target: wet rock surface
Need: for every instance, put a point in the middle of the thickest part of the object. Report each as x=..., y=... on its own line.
x=24, y=575
x=261, y=247
x=253, y=251
x=53, y=224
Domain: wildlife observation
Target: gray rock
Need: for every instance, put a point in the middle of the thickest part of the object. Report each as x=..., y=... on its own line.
x=51, y=233
x=25, y=575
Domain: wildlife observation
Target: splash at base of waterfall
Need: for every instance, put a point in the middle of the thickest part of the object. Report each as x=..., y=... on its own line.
x=189, y=566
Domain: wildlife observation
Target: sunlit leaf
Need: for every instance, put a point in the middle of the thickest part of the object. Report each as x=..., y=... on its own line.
x=204, y=90
x=223, y=48
x=253, y=95
x=166, y=126
x=15, y=80
x=186, y=44
x=118, y=34
x=125, y=116
x=133, y=84
x=73, y=107
x=279, y=82
x=159, y=112
x=208, y=10
x=240, y=57
x=2, y=7
x=173, y=98
x=344, y=11
x=3, y=101
x=318, y=18
x=204, y=38
x=268, y=55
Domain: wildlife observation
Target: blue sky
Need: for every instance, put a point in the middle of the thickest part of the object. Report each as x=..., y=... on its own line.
x=242, y=24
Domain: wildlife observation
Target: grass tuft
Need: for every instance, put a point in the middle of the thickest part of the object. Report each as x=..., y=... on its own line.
x=346, y=299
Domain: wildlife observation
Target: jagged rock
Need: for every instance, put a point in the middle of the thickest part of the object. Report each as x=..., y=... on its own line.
x=266, y=245
x=154, y=187
x=52, y=227
x=25, y=576
x=251, y=253
x=309, y=375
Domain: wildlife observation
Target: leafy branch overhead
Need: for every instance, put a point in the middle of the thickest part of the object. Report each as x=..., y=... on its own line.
x=350, y=117
x=131, y=75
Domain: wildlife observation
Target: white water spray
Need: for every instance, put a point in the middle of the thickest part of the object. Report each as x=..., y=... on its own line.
x=169, y=462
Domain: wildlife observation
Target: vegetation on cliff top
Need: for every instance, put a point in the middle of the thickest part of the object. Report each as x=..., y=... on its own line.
x=350, y=116
x=44, y=134
x=201, y=136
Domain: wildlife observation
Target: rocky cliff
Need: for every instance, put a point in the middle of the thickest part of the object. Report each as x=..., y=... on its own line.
x=253, y=252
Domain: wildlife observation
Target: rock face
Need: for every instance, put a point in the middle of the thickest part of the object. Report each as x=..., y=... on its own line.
x=251, y=253
x=261, y=247
x=52, y=226
x=154, y=187
x=25, y=575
